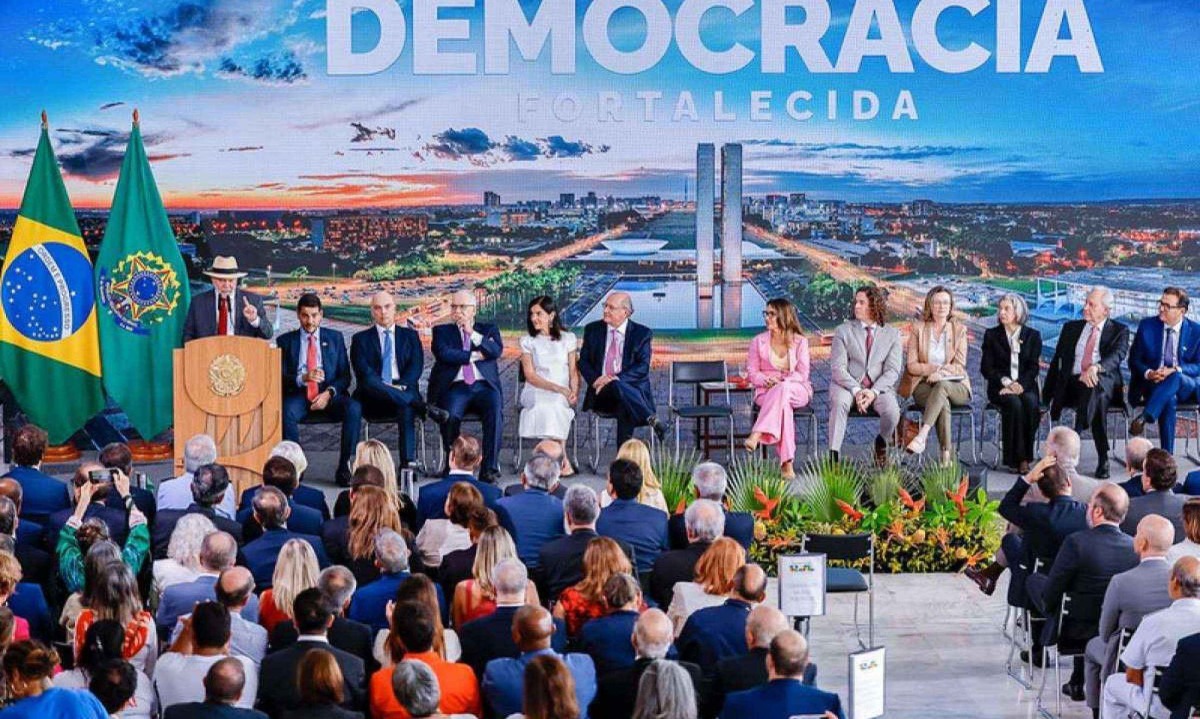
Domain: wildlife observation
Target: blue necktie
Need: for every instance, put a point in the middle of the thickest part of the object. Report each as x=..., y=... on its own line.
x=1169, y=351
x=389, y=357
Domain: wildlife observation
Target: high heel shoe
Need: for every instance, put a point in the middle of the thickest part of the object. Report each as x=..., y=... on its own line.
x=788, y=471
x=916, y=446
x=751, y=444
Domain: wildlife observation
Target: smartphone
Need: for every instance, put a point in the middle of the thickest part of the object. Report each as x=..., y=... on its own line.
x=102, y=476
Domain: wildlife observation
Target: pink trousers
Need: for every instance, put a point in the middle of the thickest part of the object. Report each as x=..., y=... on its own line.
x=775, y=421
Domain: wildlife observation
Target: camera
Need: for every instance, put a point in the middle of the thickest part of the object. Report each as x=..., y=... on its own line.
x=102, y=476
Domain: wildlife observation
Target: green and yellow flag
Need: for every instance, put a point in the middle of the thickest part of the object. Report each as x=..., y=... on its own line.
x=49, y=347
x=143, y=295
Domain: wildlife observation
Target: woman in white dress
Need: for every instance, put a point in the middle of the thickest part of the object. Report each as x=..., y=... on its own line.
x=548, y=360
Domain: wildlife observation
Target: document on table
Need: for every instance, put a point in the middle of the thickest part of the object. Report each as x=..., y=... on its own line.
x=802, y=585
x=867, y=683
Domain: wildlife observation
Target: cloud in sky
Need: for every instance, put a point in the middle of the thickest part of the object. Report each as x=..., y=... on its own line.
x=475, y=146
x=95, y=155
x=280, y=68
x=363, y=117
x=854, y=149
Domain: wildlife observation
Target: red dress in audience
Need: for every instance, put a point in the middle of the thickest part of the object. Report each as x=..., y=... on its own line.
x=481, y=608
x=268, y=614
x=137, y=634
x=579, y=610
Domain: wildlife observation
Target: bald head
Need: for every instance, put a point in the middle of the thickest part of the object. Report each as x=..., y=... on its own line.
x=551, y=448
x=1135, y=453
x=235, y=587
x=750, y=583
x=617, y=308
x=218, y=551
x=532, y=628
x=225, y=681
x=652, y=634
x=11, y=489
x=1155, y=535
x=1111, y=502
x=1185, y=578
x=788, y=655
x=763, y=625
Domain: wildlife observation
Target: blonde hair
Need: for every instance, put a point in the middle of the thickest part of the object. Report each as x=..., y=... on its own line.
x=602, y=559
x=636, y=451
x=369, y=513
x=376, y=454
x=296, y=569
x=495, y=545
x=715, y=570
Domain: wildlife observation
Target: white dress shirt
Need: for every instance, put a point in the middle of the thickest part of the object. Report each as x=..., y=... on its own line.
x=608, y=340
x=937, y=347
x=1014, y=357
x=1077, y=368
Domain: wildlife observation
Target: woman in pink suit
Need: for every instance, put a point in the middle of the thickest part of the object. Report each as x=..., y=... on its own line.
x=778, y=369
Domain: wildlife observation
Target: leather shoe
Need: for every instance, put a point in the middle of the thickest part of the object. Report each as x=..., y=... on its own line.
x=1037, y=657
x=437, y=414
x=1102, y=469
x=1073, y=691
x=880, y=451
x=659, y=427
x=986, y=584
x=1138, y=426
x=1023, y=467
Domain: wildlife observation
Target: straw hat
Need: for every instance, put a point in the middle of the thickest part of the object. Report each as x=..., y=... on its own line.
x=224, y=267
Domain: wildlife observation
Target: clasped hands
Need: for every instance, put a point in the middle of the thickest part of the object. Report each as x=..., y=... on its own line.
x=322, y=400
x=602, y=381
x=864, y=398
x=1158, y=375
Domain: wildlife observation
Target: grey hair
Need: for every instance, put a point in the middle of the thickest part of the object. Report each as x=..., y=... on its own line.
x=542, y=471
x=391, y=551
x=765, y=623
x=509, y=577
x=665, y=692
x=218, y=551
x=293, y=453
x=653, y=633
x=1135, y=452
x=581, y=505
x=187, y=538
x=416, y=688
x=1186, y=576
x=1020, y=307
x=337, y=584
x=705, y=520
x=1106, y=295
x=198, y=451
x=710, y=480
x=1066, y=444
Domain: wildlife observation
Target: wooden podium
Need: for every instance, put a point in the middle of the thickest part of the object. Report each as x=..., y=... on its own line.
x=229, y=388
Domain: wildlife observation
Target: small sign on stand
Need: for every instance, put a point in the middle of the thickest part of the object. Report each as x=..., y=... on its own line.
x=867, y=683
x=802, y=585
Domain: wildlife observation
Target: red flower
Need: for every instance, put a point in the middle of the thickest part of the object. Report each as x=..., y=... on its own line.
x=849, y=511
x=768, y=504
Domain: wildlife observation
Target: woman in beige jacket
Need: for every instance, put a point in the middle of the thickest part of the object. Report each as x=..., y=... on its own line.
x=936, y=373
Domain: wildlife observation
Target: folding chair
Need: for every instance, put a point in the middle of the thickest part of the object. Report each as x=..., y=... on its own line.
x=841, y=580
x=1021, y=638
x=957, y=415
x=696, y=373
x=519, y=454
x=421, y=453
x=1079, y=609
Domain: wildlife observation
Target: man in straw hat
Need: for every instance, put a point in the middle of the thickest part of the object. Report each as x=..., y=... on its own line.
x=227, y=310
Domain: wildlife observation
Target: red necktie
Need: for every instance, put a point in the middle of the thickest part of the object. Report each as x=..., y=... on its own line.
x=866, y=382
x=310, y=361
x=223, y=317
x=1088, y=349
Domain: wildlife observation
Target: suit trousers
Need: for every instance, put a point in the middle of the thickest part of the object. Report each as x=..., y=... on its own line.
x=1019, y=419
x=1081, y=397
x=935, y=401
x=775, y=417
x=1162, y=400
x=342, y=408
x=1093, y=668
x=627, y=403
x=404, y=406
x=840, y=402
x=484, y=399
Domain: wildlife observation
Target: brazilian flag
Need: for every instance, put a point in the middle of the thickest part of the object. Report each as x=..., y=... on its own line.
x=49, y=347
x=143, y=294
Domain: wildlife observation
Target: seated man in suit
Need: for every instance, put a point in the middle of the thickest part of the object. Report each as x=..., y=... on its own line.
x=210, y=484
x=1131, y=595
x=176, y=493
x=464, y=460
x=271, y=512
x=1179, y=688
x=465, y=379
x=369, y=604
x=615, y=363
x=337, y=586
x=715, y=633
x=1158, y=484
x=504, y=679
x=606, y=639
x=736, y=674
x=1085, y=373
x=26, y=532
x=711, y=481
x=865, y=362
x=1135, y=457
x=280, y=473
x=117, y=455
x=1164, y=366
x=561, y=560
x=224, y=685
x=42, y=495
x=785, y=695
x=388, y=360
x=651, y=641
x=90, y=486
x=626, y=519
x=301, y=494
x=218, y=552
x=533, y=517
x=227, y=310
x=1153, y=643
x=491, y=637
x=551, y=448
x=705, y=522
x=316, y=378
x=278, y=692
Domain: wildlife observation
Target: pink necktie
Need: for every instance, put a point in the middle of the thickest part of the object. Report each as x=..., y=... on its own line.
x=1088, y=349
x=468, y=368
x=614, y=352
x=866, y=381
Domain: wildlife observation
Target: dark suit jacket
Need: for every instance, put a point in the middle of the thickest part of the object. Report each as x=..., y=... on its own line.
x=325, y=711
x=29, y=603
x=303, y=519
x=737, y=674
x=561, y=562
x=533, y=518
x=607, y=641
x=780, y=699
x=1086, y=562
x=201, y=318
x=449, y=357
x=303, y=495
x=160, y=534
x=635, y=359
x=259, y=556
x=677, y=565
x=1146, y=354
x=142, y=499
x=714, y=633
x=37, y=565
x=490, y=637
x=995, y=356
x=116, y=519
x=1114, y=343
x=1044, y=525
x=334, y=361
x=204, y=710
x=41, y=494
x=431, y=502
x=346, y=634
x=277, y=691
x=366, y=356
x=739, y=526
x=1179, y=688
x=560, y=490
x=642, y=526
x=1165, y=504
x=616, y=691
x=456, y=566
x=1133, y=486
x=335, y=535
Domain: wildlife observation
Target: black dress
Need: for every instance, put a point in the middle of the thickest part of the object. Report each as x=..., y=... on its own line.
x=1019, y=414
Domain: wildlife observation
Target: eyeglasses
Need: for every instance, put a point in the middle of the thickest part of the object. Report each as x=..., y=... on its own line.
x=1165, y=306
x=460, y=307
x=770, y=313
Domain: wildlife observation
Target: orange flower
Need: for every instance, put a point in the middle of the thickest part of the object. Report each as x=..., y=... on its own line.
x=768, y=504
x=679, y=508
x=849, y=511
x=958, y=498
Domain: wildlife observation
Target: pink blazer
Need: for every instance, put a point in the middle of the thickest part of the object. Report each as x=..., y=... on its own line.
x=759, y=367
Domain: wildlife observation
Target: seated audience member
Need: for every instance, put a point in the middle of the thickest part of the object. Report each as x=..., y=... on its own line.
x=224, y=685
x=101, y=646
x=711, y=584
x=464, y=460
x=643, y=527
x=303, y=494
x=43, y=495
x=1190, y=546
x=235, y=591
x=350, y=539
x=456, y=566
x=491, y=636
x=1153, y=643
x=210, y=484
x=785, y=695
x=90, y=500
x=178, y=676
x=606, y=639
x=665, y=691
x=1131, y=595
x=295, y=570
x=29, y=537
x=412, y=640
x=549, y=690
x=1158, y=484
x=417, y=690
x=636, y=451
x=373, y=453
x=1191, y=483
x=337, y=586
x=26, y=600
x=1135, y=459
x=1063, y=444
x=585, y=601
x=280, y=473
x=739, y=673
x=555, y=450
x=182, y=563
x=10, y=578
x=116, y=597
x=176, y=493
x=271, y=512
x=711, y=481
x=533, y=517
x=322, y=689
x=714, y=633
x=441, y=536
x=705, y=521
x=117, y=455
x=69, y=548
x=420, y=588
x=561, y=559
x=369, y=604
x=28, y=666
x=278, y=689
x=218, y=552
x=651, y=641
x=115, y=684
x=100, y=554
x=476, y=597
x=503, y=679
x=1179, y=686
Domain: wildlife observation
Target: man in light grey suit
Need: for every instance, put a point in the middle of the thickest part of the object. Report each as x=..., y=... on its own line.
x=1131, y=595
x=865, y=363
x=1159, y=473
